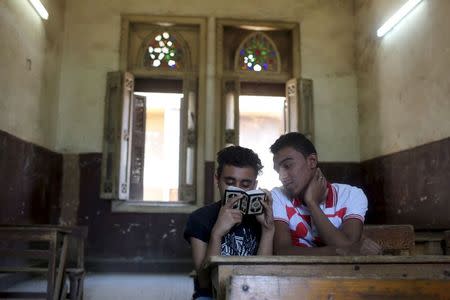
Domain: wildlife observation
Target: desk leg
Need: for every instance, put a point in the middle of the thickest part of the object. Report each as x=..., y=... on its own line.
x=51, y=268
x=61, y=268
x=80, y=253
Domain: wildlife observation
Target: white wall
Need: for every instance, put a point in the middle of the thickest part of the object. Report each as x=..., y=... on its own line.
x=91, y=49
x=30, y=60
x=404, y=77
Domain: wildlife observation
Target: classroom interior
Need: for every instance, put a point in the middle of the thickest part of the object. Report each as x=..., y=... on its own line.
x=112, y=112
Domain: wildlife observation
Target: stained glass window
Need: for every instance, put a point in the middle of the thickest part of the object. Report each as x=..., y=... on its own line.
x=164, y=51
x=258, y=53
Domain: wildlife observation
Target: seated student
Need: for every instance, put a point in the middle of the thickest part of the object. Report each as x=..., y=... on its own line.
x=312, y=216
x=221, y=230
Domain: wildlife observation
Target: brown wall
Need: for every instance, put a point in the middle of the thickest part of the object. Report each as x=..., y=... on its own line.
x=411, y=186
x=128, y=241
x=406, y=187
x=31, y=181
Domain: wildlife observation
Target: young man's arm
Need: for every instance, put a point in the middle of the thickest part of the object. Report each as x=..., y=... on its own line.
x=283, y=243
x=349, y=232
x=201, y=251
x=267, y=227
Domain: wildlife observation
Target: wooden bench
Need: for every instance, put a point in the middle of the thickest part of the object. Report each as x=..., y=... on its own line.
x=393, y=239
x=447, y=242
x=54, y=255
x=337, y=288
x=429, y=243
x=426, y=267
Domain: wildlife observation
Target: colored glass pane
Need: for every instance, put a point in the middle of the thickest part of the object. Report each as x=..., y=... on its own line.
x=258, y=54
x=163, y=51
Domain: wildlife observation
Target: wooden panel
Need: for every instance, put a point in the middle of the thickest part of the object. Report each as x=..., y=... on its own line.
x=22, y=295
x=394, y=239
x=155, y=85
x=272, y=287
x=369, y=267
x=36, y=254
x=314, y=260
x=263, y=89
x=447, y=242
x=31, y=180
x=22, y=269
x=401, y=186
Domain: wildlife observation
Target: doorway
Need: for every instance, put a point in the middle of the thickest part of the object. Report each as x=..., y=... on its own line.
x=261, y=122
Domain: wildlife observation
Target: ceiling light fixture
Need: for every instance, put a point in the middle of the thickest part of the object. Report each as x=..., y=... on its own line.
x=397, y=17
x=39, y=8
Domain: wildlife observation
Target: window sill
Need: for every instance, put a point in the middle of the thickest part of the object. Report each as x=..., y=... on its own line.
x=151, y=207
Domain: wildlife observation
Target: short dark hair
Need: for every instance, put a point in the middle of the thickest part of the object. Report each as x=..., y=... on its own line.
x=238, y=156
x=295, y=140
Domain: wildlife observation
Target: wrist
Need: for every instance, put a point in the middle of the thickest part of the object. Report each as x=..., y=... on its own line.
x=216, y=234
x=311, y=203
x=268, y=231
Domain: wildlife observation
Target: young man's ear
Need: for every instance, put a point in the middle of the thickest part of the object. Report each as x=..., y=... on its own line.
x=311, y=160
x=216, y=178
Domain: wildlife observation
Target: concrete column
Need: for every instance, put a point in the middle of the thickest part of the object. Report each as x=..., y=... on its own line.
x=210, y=89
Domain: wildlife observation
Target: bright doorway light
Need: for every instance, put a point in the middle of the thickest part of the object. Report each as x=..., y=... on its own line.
x=39, y=8
x=261, y=122
x=397, y=17
x=162, y=146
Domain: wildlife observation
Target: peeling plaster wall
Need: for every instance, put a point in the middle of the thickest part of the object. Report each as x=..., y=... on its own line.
x=91, y=49
x=403, y=78
x=30, y=60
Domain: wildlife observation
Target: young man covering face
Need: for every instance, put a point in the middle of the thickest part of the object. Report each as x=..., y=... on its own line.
x=218, y=229
x=312, y=216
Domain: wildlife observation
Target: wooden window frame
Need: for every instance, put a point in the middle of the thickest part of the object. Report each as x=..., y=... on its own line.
x=198, y=142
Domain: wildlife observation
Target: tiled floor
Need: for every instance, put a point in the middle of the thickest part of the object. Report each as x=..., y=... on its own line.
x=119, y=286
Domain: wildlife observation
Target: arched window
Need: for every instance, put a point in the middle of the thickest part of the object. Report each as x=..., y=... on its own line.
x=257, y=53
x=163, y=51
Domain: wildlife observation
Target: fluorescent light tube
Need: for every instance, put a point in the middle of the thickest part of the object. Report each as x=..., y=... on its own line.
x=39, y=8
x=397, y=17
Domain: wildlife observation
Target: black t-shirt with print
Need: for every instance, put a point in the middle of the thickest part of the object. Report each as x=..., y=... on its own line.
x=242, y=239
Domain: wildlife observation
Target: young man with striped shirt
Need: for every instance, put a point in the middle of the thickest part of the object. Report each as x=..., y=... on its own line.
x=311, y=215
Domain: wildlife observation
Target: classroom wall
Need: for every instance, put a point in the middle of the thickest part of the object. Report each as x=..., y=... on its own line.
x=91, y=49
x=368, y=102
x=30, y=60
x=403, y=78
x=404, y=108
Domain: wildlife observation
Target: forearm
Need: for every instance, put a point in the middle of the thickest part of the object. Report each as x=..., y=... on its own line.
x=330, y=235
x=212, y=249
x=266, y=242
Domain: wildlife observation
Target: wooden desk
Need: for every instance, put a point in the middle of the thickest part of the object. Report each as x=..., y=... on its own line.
x=57, y=239
x=356, y=267
x=292, y=288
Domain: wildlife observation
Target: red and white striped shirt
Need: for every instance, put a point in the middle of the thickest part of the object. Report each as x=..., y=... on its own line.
x=343, y=202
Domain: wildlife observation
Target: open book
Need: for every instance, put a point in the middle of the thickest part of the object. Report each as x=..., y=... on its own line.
x=249, y=204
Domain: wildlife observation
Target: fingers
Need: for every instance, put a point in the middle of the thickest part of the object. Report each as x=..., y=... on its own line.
x=268, y=197
x=369, y=247
x=266, y=206
x=320, y=176
x=236, y=215
x=232, y=201
x=374, y=247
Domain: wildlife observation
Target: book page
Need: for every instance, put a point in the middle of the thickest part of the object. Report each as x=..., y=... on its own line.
x=249, y=204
